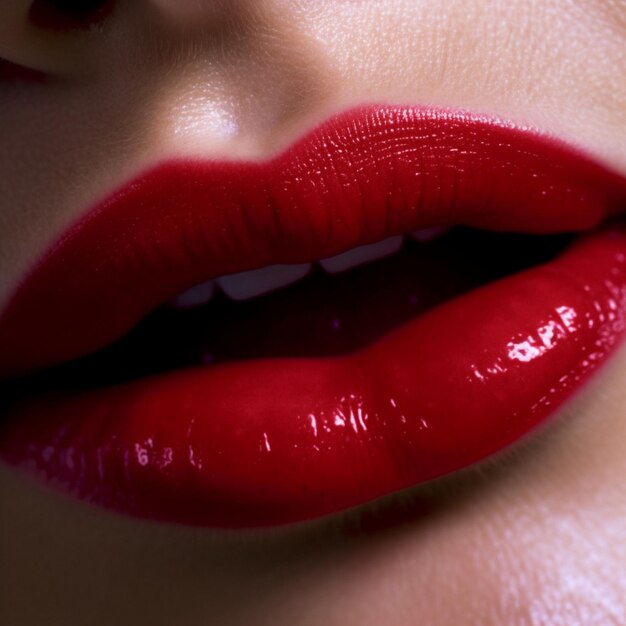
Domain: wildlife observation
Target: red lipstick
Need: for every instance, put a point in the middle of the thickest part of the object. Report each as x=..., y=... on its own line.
x=277, y=440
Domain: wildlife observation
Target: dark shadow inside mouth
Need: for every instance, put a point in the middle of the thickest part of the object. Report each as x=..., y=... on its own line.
x=324, y=315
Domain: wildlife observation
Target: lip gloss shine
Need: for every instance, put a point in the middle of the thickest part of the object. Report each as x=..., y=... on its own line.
x=273, y=441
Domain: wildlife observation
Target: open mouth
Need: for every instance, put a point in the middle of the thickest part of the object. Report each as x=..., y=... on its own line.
x=398, y=296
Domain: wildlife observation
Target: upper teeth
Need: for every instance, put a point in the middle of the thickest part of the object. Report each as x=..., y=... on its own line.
x=428, y=234
x=246, y=285
x=362, y=254
x=195, y=296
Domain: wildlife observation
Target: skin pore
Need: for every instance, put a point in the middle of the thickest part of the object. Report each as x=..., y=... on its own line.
x=534, y=537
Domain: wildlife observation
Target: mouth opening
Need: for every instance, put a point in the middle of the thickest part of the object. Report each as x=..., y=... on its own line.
x=329, y=308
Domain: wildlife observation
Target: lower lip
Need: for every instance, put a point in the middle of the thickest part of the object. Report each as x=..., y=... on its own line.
x=275, y=441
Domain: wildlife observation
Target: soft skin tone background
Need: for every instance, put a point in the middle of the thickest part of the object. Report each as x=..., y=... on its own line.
x=534, y=537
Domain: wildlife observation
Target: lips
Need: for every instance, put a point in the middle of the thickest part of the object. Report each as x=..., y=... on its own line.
x=244, y=442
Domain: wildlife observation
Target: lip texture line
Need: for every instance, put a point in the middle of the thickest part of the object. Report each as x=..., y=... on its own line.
x=273, y=441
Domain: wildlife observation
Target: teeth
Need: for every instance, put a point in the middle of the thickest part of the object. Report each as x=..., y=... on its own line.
x=362, y=254
x=200, y=294
x=428, y=234
x=248, y=285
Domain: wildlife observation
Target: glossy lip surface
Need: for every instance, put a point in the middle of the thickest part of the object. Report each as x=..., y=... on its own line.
x=273, y=441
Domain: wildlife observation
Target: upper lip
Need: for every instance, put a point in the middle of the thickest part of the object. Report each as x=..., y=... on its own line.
x=364, y=175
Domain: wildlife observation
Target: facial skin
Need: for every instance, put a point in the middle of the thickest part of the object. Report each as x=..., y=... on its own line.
x=534, y=537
